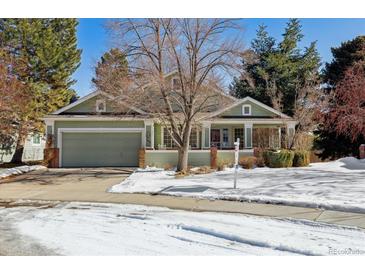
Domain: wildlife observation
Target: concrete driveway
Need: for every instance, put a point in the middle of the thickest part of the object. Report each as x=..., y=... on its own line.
x=64, y=184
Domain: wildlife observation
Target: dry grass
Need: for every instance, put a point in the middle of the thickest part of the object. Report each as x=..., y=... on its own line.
x=248, y=162
x=223, y=164
x=201, y=170
x=168, y=167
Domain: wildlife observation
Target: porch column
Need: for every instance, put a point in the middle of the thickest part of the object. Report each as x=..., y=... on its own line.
x=50, y=133
x=49, y=127
x=153, y=135
x=248, y=135
x=290, y=132
x=148, y=135
x=205, y=135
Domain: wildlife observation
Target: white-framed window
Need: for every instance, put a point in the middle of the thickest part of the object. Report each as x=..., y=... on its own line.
x=246, y=109
x=239, y=133
x=168, y=142
x=100, y=106
x=193, y=141
x=36, y=139
x=175, y=83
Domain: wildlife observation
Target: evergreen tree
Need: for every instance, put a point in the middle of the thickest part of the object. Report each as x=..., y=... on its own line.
x=263, y=44
x=344, y=57
x=111, y=71
x=273, y=73
x=333, y=145
x=291, y=37
x=49, y=48
x=254, y=68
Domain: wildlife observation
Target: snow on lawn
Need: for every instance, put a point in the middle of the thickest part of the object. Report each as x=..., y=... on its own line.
x=19, y=170
x=110, y=229
x=337, y=185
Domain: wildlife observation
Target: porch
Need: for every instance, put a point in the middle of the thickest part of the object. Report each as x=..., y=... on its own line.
x=160, y=149
x=222, y=135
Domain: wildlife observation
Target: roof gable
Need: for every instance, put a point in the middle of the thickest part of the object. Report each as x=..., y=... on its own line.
x=76, y=103
x=258, y=109
x=87, y=105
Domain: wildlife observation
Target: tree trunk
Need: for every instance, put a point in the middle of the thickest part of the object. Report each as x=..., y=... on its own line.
x=182, y=163
x=18, y=154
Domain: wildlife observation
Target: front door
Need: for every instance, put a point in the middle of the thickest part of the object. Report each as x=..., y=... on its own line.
x=215, y=138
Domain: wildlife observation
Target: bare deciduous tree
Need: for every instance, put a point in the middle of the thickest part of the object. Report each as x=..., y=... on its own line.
x=14, y=102
x=201, y=54
x=346, y=113
x=309, y=101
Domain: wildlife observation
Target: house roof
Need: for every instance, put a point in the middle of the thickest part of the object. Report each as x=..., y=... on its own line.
x=77, y=102
x=142, y=113
x=92, y=95
x=244, y=100
x=227, y=102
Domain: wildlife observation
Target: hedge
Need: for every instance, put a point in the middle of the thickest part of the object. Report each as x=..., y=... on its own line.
x=277, y=159
x=301, y=158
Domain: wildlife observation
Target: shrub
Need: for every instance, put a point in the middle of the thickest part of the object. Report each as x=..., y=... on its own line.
x=301, y=158
x=248, y=162
x=281, y=158
x=222, y=165
x=258, y=153
x=260, y=162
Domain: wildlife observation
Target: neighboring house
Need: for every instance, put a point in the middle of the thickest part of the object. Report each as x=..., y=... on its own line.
x=33, y=149
x=91, y=133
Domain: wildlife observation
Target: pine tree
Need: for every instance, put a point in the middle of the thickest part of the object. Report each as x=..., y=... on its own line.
x=254, y=68
x=49, y=48
x=263, y=44
x=111, y=71
x=344, y=57
x=273, y=73
x=291, y=37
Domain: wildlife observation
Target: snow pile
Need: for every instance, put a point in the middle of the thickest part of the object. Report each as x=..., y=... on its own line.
x=110, y=229
x=347, y=164
x=19, y=170
x=149, y=169
x=337, y=185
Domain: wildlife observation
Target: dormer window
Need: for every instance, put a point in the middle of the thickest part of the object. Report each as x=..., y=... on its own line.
x=100, y=106
x=175, y=83
x=246, y=110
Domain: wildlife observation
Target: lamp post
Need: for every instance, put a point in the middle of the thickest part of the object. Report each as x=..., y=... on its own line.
x=236, y=153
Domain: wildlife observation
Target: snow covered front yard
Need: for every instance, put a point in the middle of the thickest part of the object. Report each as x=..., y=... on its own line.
x=337, y=185
x=110, y=229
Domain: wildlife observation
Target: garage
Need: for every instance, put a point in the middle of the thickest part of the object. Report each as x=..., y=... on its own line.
x=100, y=149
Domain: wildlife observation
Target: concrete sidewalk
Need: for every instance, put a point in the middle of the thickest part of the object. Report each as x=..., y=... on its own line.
x=90, y=185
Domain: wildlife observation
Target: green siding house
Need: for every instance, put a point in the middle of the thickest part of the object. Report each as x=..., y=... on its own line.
x=90, y=133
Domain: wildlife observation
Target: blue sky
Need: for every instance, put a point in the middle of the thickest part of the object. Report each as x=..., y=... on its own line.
x=93, y=40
